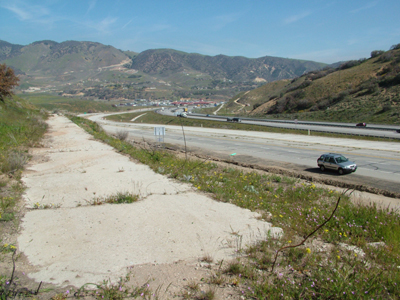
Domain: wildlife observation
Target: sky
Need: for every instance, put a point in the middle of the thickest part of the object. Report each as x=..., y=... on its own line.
x=320, y=30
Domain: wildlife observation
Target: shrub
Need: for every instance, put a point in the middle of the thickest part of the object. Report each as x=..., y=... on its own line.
x=299, y=94
x=351, y=63
x=305, y=84
x=122, y=135
x=394, y=47
x=273, y=97
x=386, y=107
x=390, y=81
x=385, y=57
x=14, y=161
x=304, y=104
x=376, y=53
x=257, y=105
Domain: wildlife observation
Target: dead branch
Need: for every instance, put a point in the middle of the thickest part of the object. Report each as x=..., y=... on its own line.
x=306, y=238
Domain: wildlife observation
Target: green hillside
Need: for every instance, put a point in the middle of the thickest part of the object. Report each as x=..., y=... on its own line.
x=366, y=90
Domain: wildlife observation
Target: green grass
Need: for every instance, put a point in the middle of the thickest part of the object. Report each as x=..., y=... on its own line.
x=74, y=105
x=21, y=126
x=118, y=198
x=307, y=271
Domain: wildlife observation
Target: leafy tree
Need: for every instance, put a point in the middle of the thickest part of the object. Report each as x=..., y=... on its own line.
x=8, y=81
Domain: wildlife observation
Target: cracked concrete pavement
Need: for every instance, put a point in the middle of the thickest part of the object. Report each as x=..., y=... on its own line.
x=74, y=243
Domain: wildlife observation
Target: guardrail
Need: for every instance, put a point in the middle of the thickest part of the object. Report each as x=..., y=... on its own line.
x=314, y=124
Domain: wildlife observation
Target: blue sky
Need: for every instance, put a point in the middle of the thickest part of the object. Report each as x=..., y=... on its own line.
x=319, y=30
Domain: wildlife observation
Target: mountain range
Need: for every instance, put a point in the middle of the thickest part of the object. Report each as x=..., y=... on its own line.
x=72, y=64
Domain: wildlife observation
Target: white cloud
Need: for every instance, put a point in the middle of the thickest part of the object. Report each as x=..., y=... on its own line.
x=221, y=21
x=298, y=17
x=92, y=5
x=126, y=24
x=326, y=55
x=105, y=24
x=365, y=7
x=26, y=12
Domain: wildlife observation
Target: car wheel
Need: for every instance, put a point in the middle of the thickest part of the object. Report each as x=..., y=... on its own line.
x=322, y=168
x=340, y=171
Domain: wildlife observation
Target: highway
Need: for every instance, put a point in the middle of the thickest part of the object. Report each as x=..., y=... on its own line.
x=383, y=131
x=379, y=161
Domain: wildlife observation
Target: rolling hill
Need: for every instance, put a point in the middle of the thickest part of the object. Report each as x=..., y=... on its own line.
x=365, y=90
x=73, y=67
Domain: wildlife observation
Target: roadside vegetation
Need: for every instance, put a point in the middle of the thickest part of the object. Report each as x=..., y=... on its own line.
x=21, y=126
x=73, y=105
x=356, y=255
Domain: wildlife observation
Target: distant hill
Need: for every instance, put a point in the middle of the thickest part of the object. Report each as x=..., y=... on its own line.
x=61, y=61
x=98, y=71
x=237, y=68
x=365, y=90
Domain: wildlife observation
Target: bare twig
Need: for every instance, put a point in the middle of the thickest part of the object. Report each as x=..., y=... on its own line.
x=8, y=286
x=303, y=241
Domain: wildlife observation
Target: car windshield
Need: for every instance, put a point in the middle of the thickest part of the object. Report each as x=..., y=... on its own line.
x=341, y=159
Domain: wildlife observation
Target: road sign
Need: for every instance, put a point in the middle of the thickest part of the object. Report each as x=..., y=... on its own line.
x=159, y=133
x=159, y=130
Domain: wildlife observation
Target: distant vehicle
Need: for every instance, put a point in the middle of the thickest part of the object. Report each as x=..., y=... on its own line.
x=233, y=120
x=236, y=120
x=207, y=115
x=336, y=162
x=182, y=115
x=361, y=125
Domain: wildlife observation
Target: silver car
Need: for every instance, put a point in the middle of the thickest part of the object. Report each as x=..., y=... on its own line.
x=336, y=162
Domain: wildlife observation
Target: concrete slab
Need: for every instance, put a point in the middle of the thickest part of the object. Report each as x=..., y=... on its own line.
x=73, y=245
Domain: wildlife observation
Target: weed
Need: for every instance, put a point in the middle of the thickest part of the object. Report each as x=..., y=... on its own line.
x=193, y=286
x=207, y=258
x=209, y=294
x=118, y=198
x=37, y=205
x=14, y=161
x=115, y=291
x=8, y=248
x=122, y=135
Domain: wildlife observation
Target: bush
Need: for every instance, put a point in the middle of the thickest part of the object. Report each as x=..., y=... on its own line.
x=390, y=81
x=351, y=63
x=394, y=47
x=14, y=161
x=376, y=53
x=386, y=107
x=122, y=135
x=257, y=105
x=305, y=84
x=304, y=104
x=299, y=94
x=385, y=57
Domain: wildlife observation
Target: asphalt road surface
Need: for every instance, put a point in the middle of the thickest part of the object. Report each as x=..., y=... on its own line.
x=383, y=131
